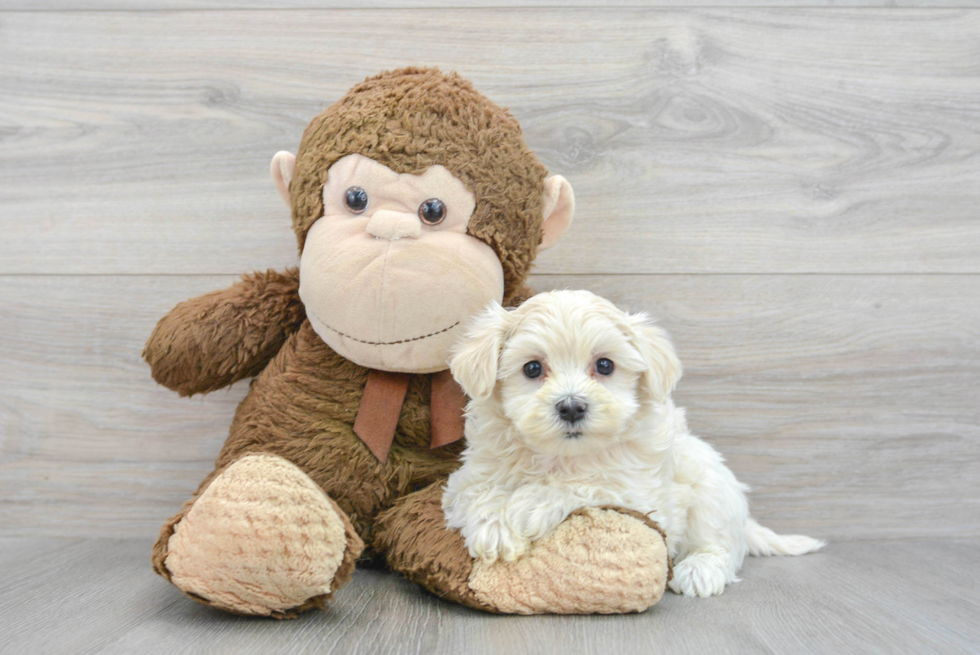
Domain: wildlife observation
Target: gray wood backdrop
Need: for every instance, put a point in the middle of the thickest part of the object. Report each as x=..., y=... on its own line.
x=794, y=192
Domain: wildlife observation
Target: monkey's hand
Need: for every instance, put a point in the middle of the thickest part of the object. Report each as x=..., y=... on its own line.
x=224, y=336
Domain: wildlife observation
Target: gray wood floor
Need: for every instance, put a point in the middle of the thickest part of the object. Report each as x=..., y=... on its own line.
x=98, y=596
x=793, y=191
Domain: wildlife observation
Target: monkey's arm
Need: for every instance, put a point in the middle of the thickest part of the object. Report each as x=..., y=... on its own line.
x=224, y=336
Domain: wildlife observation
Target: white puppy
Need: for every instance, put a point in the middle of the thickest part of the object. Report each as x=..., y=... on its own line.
x=570, y=407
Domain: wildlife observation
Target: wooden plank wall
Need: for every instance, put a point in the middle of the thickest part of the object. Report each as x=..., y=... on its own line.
x=794, y=192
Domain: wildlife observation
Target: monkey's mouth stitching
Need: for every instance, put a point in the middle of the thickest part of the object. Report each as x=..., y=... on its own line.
x=387, y=343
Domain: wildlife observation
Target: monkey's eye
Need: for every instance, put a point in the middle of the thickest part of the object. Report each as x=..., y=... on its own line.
x=604, y=366
x=432, y=211
x=533, y=369
x=356, y=199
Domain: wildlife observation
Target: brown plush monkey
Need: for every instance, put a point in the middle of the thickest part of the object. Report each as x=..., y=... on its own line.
x=415, y=202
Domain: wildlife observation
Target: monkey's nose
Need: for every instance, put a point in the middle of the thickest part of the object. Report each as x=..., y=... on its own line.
x=387, y=224
x=571, y=410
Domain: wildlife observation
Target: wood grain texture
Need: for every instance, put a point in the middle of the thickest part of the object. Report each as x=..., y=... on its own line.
x=156, y=5
x=699, y=141
x=99, y=596
x=848, y=402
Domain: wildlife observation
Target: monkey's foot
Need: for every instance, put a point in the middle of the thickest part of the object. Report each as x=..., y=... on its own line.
x=598, y=561
x=262, y=539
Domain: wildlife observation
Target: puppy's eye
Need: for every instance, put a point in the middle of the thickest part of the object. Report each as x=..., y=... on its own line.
x=356, y=199
x=432, y=211
x=533, y=369
x=604, y=366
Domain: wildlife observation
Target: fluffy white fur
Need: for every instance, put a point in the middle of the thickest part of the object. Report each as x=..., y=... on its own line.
x=525, y=469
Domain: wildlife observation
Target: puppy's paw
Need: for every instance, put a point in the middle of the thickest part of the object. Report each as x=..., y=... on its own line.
x=531, y=523
x=495, y=540
x=701, y=574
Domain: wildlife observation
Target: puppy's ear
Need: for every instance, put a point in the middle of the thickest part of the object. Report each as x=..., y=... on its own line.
x=663, y=367
x=474, y=359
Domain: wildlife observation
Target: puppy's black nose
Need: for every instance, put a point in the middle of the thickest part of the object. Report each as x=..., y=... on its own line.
x=571, y=410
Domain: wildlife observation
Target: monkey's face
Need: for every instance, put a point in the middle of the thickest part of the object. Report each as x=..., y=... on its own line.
x=388, y=273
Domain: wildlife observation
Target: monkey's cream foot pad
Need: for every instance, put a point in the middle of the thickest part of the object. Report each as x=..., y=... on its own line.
x=598, y=561
x=262, y=539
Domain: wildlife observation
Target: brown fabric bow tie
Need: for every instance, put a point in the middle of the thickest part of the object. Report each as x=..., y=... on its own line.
x=381, y=404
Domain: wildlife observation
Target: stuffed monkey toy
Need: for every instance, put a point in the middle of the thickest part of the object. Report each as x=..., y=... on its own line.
x=415, y=202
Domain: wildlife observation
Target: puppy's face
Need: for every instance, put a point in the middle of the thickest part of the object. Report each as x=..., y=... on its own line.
x=567, y=369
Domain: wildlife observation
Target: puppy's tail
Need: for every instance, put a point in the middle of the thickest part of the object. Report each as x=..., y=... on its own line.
x=764, y=542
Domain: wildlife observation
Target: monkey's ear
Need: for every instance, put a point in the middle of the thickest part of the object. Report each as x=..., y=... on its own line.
x=474, y=359
x=281, y=168
x=559, y=208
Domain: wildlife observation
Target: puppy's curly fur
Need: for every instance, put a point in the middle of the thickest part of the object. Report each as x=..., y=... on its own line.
x=552, y=428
